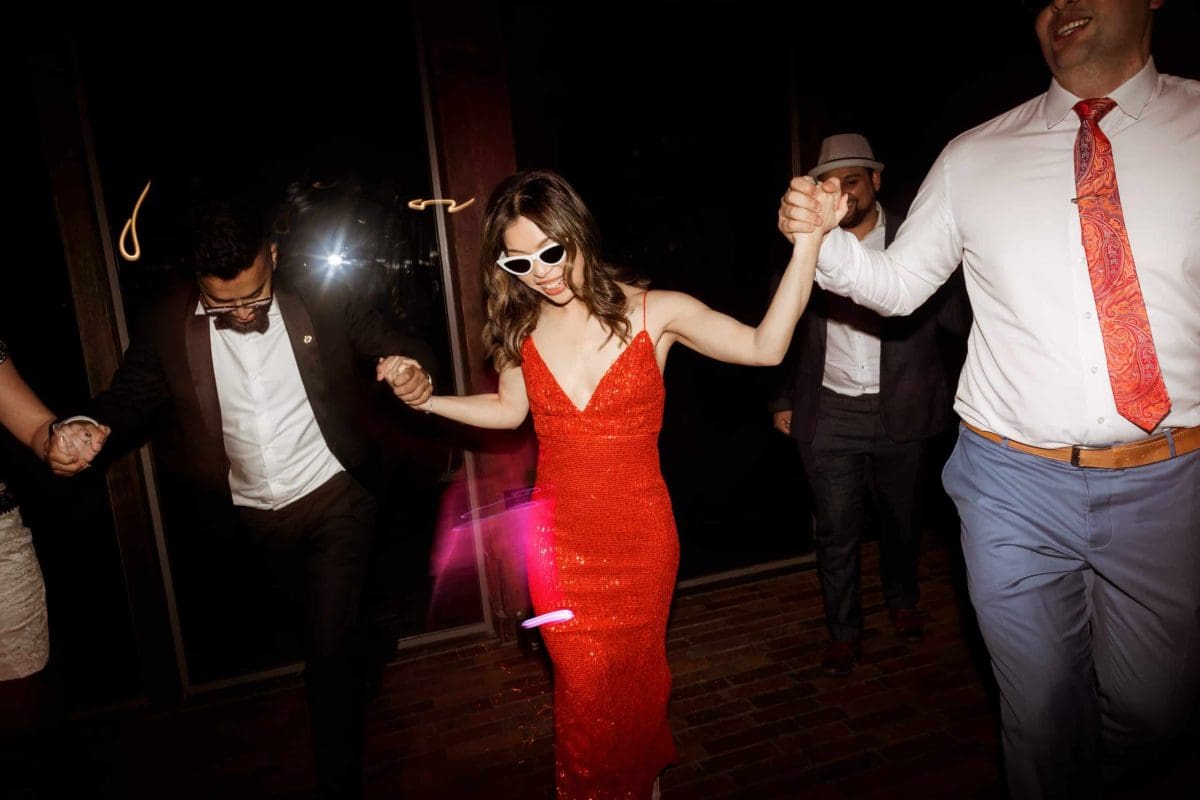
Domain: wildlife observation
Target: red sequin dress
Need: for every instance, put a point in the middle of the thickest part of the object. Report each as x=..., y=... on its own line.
x=605, y=548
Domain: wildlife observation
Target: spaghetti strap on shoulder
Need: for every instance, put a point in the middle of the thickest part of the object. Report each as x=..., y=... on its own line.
x=644, y=295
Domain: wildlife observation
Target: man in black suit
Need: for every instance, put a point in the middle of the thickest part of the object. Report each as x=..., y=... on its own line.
x=263, y=374
x=866, y=397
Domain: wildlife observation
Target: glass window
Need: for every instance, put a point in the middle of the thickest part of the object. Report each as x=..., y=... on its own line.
x=337, y=124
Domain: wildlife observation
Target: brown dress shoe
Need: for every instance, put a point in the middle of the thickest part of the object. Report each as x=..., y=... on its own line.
x=907, y=622
x=840, y=658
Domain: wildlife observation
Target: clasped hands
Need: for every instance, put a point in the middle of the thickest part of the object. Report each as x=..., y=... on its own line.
x=409, y=380
x=70, y=446
x=809, y=206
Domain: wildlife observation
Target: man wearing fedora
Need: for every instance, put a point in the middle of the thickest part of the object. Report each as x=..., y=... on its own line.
x=864, y=399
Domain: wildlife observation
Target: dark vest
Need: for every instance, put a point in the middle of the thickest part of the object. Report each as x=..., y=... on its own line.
x=917, y=376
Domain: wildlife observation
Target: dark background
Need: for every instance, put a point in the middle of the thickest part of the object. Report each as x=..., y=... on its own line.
x=672, y=119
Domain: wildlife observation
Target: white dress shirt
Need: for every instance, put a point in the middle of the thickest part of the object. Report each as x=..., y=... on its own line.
x=276, y=451
x=852, y=336
x=998, y=199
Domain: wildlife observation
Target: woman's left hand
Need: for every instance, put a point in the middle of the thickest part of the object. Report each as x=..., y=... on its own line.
x=408, y=379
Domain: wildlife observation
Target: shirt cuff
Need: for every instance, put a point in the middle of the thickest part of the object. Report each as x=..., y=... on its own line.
x=835, y=253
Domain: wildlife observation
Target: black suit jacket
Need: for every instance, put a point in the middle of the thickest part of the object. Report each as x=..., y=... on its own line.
x=917, y=371
x=168, y=370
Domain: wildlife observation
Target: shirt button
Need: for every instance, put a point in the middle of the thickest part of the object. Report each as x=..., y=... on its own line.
x=1087, y=315
x=1095, y=370
x=1100, y=420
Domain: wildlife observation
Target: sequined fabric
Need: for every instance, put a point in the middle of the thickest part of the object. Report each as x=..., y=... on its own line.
x=24, y=635
x=608, y=551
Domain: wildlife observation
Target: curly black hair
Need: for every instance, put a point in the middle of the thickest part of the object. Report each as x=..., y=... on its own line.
x=226, y=237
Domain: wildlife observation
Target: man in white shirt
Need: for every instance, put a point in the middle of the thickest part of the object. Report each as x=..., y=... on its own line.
x=1077, y=469
x=865, y=398
x=262, y=371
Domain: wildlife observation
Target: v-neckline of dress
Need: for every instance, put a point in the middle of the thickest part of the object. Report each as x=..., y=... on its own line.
x=599, y=383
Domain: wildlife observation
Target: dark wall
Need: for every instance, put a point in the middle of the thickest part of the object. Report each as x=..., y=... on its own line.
x=672, y=119
x=228, y=106
x=672, y=122
x=93, y=659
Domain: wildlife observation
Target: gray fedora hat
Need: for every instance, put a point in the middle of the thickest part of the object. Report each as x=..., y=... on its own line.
x=845, y=150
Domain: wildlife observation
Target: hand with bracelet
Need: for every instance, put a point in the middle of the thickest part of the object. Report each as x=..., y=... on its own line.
x=410, y=382
x=67, y=446
x=70, y=445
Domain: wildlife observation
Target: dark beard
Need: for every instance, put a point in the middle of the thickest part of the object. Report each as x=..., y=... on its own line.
x=854, y=217
x=256, y=324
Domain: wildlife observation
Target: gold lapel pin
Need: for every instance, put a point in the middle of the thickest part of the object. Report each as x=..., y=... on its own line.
x=308, y=340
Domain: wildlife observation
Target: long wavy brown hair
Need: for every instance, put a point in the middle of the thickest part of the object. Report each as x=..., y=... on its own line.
x=548, y=201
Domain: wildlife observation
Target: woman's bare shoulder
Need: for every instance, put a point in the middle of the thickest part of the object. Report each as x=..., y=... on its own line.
x=634, y=295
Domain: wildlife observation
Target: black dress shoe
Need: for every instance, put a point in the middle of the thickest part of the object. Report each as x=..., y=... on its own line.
x=908, y=625
x=840, y=658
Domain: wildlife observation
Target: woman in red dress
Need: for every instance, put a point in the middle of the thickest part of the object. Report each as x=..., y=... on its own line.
x=584, y=352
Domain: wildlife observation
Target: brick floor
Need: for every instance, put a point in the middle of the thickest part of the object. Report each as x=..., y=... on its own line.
x=753, y=716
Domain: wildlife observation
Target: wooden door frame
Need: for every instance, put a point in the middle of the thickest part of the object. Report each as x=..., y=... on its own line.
x=469, y=132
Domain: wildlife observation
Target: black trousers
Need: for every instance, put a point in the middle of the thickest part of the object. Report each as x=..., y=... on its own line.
x=317, y=549
x=859, y=475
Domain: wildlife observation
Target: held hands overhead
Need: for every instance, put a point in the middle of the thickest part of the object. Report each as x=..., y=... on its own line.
x=808, y=206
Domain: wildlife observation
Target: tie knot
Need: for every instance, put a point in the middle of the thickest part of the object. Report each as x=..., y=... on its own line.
x=1094, y=109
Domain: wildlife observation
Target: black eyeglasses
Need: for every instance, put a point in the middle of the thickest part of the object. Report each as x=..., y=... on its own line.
x=551, y=255
x=216, y=311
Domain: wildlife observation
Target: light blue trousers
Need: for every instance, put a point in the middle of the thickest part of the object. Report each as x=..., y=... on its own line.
x=1086, y=584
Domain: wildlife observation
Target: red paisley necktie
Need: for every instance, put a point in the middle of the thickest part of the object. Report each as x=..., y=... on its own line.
x=1137, y=382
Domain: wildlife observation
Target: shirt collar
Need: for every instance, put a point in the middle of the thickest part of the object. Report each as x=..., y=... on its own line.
x=1131, y=96
x=880, y=220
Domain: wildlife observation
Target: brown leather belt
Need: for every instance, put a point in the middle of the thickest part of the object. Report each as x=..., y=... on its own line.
x=1121, y=456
